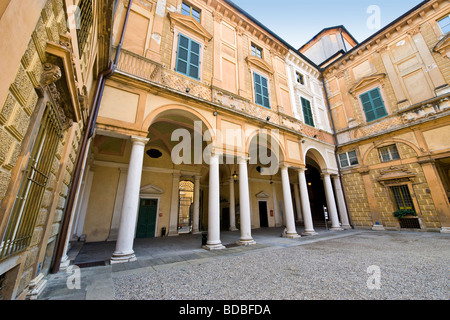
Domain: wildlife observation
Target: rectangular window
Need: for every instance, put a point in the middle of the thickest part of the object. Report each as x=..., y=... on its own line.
x=190, y=11
x=402, y=197
x=389, y=153
x=84, y=20
x=28, y=201
x=373, y=105
x=300, y=78
x=261, y=90
x=348, y=159
x=256, y=51
x=188, y=57
x=444, y=24
x=307, y=112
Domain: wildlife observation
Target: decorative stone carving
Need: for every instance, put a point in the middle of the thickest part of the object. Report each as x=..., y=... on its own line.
x=49, y=77
x=50, y=74
x=395, y=175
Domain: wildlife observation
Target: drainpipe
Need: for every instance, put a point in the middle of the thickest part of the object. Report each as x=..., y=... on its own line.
x=336, y=145
x=89, y=132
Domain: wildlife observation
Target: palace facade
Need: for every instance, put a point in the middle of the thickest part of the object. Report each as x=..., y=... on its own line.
x=134, y=119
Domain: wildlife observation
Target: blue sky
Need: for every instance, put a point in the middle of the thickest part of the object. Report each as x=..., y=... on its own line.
x=297, y=21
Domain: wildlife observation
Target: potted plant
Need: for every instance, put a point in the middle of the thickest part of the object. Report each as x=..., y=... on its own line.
x=401, y=213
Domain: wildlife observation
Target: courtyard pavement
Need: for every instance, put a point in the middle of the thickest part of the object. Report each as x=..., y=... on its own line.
x=332, y=265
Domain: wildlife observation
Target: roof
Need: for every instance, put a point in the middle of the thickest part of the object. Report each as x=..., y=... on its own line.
x=341, y=27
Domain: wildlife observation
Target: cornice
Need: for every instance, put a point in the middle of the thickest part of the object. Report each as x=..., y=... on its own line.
x=189, y=23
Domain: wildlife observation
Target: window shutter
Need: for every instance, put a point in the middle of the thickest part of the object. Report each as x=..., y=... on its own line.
x=373, y=105
x=188, y=57
x=307, y=112
x=261, y=90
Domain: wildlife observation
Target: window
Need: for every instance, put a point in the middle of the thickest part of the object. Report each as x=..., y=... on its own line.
x=188, y=57
x=444, y=24
x=256, y=51
x=389, y=153
x=402, y=197
x=348, y=159
x=300, y=78
x=84, y=20
x=373, y=105
x=307, y=112
x=261, y=90
x=24, y=214
x=188, y=10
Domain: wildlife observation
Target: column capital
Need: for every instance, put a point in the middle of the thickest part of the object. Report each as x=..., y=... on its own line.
x=139, y=140
x=242, y=159
x=302, y=170
x=327, y=172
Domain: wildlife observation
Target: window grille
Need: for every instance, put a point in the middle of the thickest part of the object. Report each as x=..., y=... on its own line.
x=389, y=153
x=27, y=204
x=348, y=159
x=402, y=197
x=84, y=23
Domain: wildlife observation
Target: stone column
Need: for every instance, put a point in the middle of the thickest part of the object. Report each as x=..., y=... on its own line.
x=297, y=202
x=275, y=206
x=306, y=208
x=291, y=231
x=196, y=213
x=213, y=242
x=115, y=222
x=173, y=218
x=124, y=246
x=331, y=203
x=244, y=202
x=342, y=208
x=232, y=206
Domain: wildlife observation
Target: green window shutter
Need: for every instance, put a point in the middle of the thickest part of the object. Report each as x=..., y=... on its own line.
x=373, y=105
x=188, y=57
x=261, y=90
x=307, y=112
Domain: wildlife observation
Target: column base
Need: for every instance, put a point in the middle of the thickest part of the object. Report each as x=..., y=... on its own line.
x=36, y=287
x=346, y=227
x=65, y=263
x=309, y=233
x=122, y=257
x=445, y=230
x=233, y=229
x=212, y=247
x=286, y=234
x=336, y=229
x=246, y=242
x=378, y=227
x=291, y=235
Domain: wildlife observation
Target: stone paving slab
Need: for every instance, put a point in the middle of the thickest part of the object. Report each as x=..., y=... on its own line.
x=341, y=252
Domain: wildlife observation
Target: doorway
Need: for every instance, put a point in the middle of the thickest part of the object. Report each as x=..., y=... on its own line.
x=186, y=206
x=146, y=225
x=263, y=220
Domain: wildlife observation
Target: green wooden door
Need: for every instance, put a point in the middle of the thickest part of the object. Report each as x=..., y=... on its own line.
x=147, y=218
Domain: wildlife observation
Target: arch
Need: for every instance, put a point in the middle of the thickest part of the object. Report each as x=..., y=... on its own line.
x=255, y=133
x=157, y=113
x=387, y=142
x=317, y=156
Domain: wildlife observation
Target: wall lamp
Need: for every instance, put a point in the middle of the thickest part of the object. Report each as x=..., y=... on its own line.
x=235, y=176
